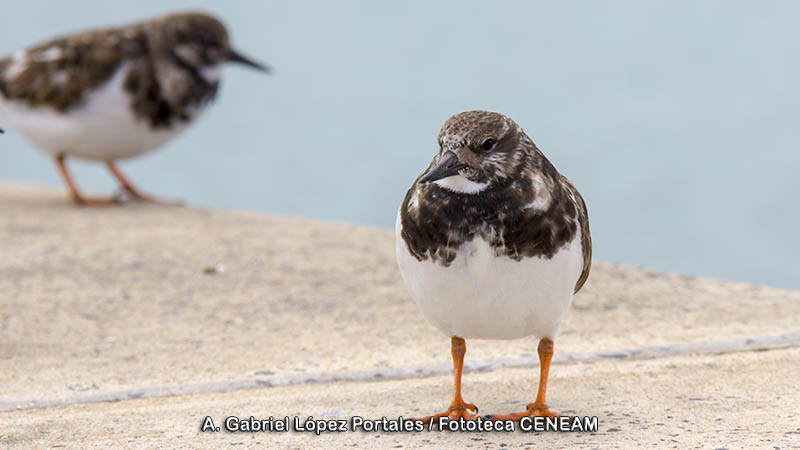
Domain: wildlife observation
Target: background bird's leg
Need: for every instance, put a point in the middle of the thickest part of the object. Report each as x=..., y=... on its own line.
x=458, y=408
x=73, y=191
x=126, y=184
x=133, y=191
x=538, y=407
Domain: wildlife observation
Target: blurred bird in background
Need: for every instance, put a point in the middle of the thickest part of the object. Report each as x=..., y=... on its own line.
x=115, y=93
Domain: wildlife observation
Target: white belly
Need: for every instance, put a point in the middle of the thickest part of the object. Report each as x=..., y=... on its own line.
x=483, y=296
x=102, y=128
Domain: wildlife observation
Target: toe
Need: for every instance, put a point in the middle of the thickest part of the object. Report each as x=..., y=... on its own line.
x=541, y=410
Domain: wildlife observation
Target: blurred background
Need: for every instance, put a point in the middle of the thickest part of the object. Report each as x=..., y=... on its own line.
x=678, y=121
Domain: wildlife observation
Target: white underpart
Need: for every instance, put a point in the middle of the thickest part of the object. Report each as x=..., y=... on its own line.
x=103, y=127
x=459, y=183
x=19, y=63
x=483, y=296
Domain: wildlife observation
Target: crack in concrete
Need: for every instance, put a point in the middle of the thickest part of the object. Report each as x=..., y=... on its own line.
x=742, y=344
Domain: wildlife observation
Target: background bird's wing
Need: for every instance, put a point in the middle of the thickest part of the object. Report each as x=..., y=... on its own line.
x=58, y=73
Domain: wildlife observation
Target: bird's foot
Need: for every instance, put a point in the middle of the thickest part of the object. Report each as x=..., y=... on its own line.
x=533, y=410
x=126, y=195
x=454, y=412
x=82, y=200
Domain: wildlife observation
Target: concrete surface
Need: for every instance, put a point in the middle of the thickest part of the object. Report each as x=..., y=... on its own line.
x=111, y=313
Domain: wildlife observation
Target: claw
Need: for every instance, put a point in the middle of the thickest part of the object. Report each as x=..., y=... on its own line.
x=454, y=412
x=533, y=410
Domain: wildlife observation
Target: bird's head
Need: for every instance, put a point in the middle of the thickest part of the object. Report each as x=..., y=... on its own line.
x=198, y=41
x=477, y=150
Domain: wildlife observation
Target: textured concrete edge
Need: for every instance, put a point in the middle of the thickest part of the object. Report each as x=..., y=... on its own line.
x=742, y=344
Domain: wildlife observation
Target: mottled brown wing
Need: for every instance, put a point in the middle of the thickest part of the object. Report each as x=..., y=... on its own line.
x=586, y=236
x=58, y=73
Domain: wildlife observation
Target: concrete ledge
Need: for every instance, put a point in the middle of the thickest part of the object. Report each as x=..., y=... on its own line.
x=100, y=305
x=745, y=344
x=742, y=400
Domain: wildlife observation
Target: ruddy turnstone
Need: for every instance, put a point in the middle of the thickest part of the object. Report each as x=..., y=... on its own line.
x=492, y=243
x=115, y=93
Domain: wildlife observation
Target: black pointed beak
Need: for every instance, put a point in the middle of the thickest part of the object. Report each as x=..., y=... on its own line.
x=2, y=131
x=448, y=165
x=234, y=56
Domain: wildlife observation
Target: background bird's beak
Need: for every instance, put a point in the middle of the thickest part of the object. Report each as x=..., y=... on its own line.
x=1, y=131
x=448, y=165
x=234, y=56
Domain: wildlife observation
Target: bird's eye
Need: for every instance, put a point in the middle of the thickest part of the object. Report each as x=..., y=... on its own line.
x=488, y=145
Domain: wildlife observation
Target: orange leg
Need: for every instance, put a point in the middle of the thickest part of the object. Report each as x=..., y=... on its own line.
x=73, y=191
x=457, y=409
x=539, y=407
x=127, y=185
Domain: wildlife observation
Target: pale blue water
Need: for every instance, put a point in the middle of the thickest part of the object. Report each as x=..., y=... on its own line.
x=678, y=121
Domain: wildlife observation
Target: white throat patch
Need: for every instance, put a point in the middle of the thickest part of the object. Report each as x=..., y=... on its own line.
x=458, y=183
x=210, y=73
